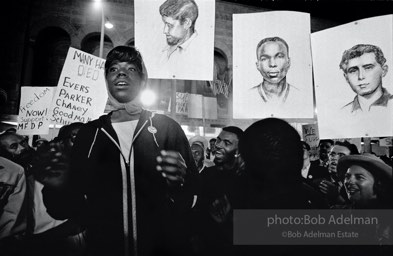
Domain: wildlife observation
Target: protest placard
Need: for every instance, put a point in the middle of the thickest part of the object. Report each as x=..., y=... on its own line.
x=181, y=103
x=81, y=92
x=348, y=106
x=34, y=106
x=284, y=89
x=310, y=135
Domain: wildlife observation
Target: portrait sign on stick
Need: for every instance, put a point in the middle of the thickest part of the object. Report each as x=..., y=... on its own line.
x=353, y=78
x=176, y=48
x=272, y=65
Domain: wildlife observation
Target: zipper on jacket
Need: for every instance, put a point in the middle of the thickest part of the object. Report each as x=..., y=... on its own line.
x=127, y=163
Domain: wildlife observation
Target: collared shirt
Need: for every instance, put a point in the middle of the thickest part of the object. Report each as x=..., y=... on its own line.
x=324, y=163
x=171, y=51
x=358, y=122
x=184, y=61
x=383, y=101
x=281, y=99
x=292, y=103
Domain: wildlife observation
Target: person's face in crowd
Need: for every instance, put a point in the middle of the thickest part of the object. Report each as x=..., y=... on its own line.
x=273, y=62
x=197, y=153
x=41, y=143
x=359, y=185
x=174, y=30
x=226, y=148
x=124, y=81
x=18, y=148
x=336, y=153
x=324, y=149
x=364, y=74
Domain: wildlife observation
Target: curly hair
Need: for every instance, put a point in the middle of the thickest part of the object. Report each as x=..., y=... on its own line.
x=357, y=51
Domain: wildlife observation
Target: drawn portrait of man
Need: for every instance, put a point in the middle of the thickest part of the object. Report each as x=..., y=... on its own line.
x=179, y=18
x=272, y=67
x=364, y=66
x=180, y=42
x=353, y=84
x=273, y=62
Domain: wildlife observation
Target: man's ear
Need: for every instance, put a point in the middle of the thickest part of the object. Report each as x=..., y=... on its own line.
x=385, y=69
x=187, y=23
x=345, y=76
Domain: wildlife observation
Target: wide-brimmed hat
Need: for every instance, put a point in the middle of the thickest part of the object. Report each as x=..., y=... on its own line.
x=372, y=163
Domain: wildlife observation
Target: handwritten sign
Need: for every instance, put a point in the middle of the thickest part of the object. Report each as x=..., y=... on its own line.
x=34, y=106
x=310, y=135
x=181, y=103
x=81, y=92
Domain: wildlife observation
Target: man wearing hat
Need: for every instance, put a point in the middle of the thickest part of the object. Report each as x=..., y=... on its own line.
x=367, y=181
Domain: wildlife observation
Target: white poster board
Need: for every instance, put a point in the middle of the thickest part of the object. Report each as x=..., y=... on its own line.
x=193, y=60
x=81, y=93
x=385, y=142
x=334, y=96
x=202, y=107
x=248, y=95
x=34, y=112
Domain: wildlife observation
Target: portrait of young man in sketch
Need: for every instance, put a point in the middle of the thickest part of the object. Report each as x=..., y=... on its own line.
x=353, y=84
x=272, y=65
x=179, y=18
x=273, y=62
x=364, y=66
x=180, y=45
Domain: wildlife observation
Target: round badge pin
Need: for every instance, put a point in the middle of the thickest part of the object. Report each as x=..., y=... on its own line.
x=152, y=129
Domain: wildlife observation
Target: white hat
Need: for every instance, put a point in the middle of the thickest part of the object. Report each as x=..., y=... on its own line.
x=197, y=139
x=370, y=162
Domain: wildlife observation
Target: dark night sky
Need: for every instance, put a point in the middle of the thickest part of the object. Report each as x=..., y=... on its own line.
x=342, y=11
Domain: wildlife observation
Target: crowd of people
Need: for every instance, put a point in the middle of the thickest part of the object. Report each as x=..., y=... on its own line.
x=132, y=183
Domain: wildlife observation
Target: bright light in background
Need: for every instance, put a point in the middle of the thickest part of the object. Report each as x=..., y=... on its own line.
x=108, y=25
x=148, y=97
x=97, y=4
